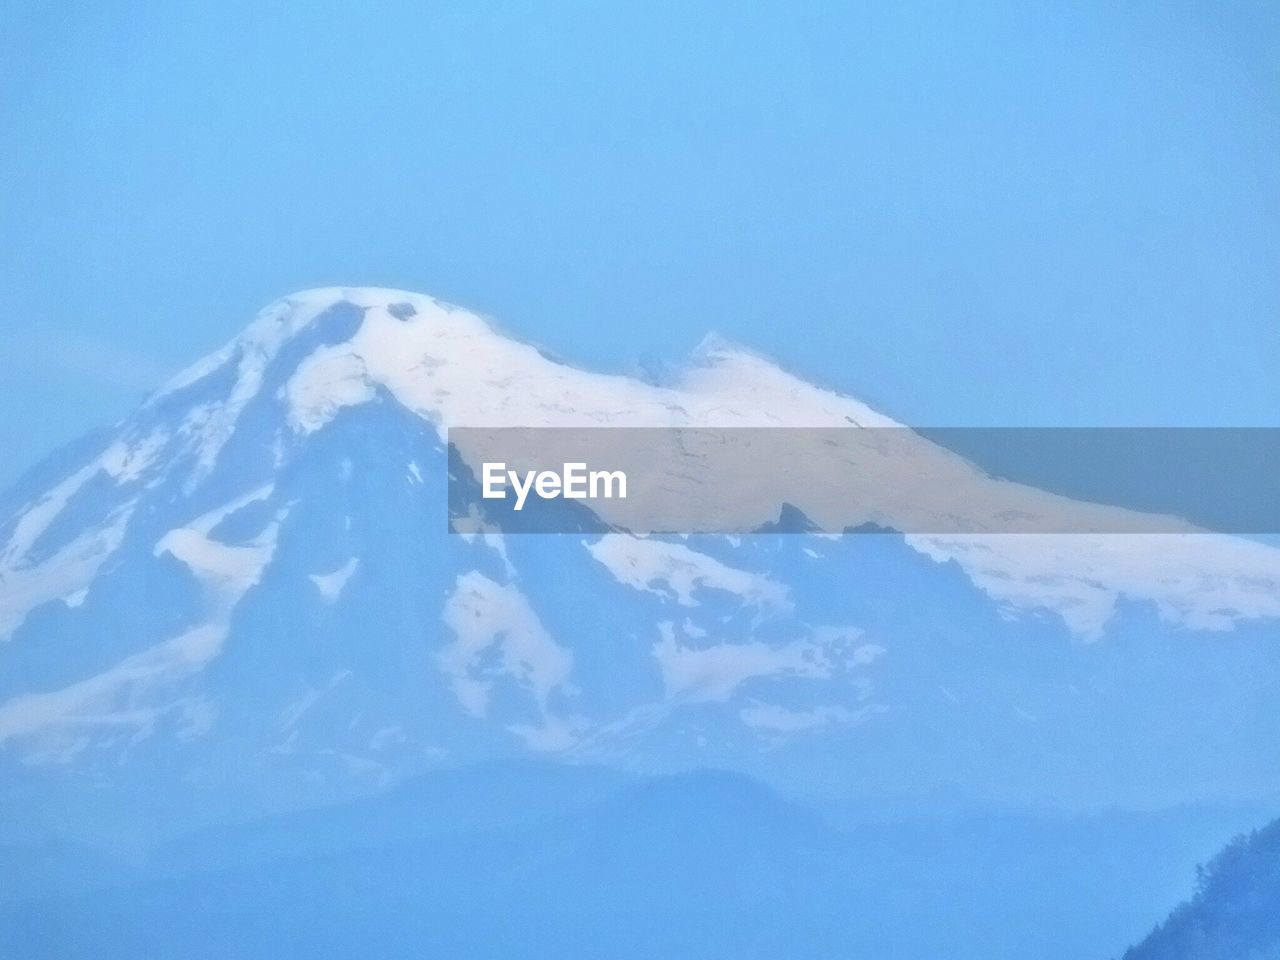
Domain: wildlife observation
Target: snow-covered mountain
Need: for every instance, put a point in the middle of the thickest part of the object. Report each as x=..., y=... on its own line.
x=246, y=591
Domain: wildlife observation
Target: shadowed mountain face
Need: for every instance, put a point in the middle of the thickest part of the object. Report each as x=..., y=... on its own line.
x=242, y=654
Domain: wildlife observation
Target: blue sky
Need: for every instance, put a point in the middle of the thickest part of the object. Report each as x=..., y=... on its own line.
x=1004, y=213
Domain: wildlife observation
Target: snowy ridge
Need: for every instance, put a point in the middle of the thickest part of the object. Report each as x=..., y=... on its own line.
x=450, y=367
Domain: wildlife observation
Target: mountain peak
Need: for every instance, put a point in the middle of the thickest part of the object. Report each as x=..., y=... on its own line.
x=291, y=316
x=329, y=348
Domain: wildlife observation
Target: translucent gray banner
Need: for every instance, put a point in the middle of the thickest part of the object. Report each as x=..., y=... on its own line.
x=864, y=479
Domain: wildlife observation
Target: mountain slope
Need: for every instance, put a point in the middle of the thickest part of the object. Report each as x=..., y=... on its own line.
x=1235, y=913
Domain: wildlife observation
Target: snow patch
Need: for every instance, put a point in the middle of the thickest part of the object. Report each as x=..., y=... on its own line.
x=1202, y=581
x=129, y=699
x=452, y=368
x=36, y=518
x=227, y=571
x=125, y=462
x=325, y=385
x=771, y=719
x=498, y=636
x=331, y=585
x=65, y=574
x=712, y=674
x=667, y=569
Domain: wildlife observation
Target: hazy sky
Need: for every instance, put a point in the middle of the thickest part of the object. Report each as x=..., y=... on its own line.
x=1023, y=212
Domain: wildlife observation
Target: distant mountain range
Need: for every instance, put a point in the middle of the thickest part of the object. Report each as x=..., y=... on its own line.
x=534, y=859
